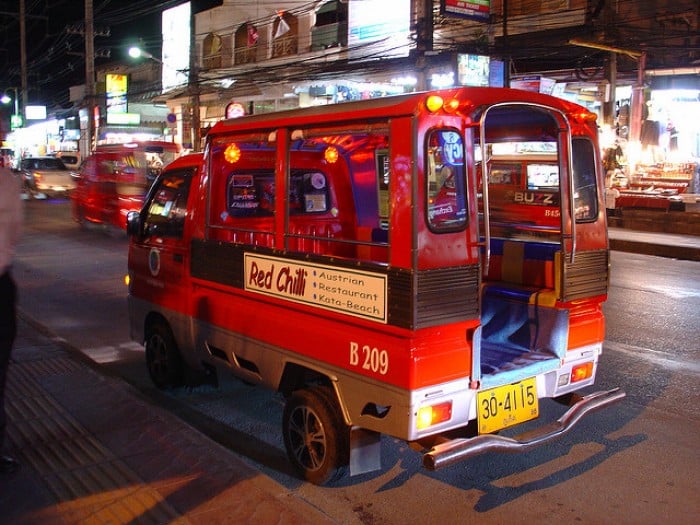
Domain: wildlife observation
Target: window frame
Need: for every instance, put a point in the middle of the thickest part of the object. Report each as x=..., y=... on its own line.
x=594, y=199
x=460, y=178
x=176, y=232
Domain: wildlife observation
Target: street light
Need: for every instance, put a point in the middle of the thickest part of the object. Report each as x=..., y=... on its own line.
x=16, y=121
x=137, y=52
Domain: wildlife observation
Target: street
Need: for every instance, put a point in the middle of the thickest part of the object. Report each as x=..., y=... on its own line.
x=635, y=462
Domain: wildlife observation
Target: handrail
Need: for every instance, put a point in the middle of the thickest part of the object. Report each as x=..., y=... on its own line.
x=572, y=202
x=569, y=179
x=485, y=193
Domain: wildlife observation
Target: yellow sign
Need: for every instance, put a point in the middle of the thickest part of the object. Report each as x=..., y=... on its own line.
x=116, y=84
x=116, y=87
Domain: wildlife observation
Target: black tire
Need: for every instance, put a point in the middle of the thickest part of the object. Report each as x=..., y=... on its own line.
x=163, y=359
x=315, y=435
x=80, y=217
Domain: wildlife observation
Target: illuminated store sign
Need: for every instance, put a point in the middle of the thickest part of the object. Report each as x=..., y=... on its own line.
x=176, y=46
x=379, y=28
x=116, y=87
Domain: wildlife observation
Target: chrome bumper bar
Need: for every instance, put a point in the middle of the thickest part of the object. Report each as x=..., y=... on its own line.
x=457, y=450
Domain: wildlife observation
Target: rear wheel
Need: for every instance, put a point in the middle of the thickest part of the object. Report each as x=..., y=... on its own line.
x=315, y=435
x=165, y=366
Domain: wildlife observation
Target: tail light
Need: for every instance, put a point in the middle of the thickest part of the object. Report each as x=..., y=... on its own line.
x=433, y=414
x=581, y=372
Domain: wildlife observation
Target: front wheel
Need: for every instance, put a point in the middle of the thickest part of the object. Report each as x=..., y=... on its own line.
x=163, y=359
x=315, y=435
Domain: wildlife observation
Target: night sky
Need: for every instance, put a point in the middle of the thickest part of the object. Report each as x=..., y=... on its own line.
x=55, y=45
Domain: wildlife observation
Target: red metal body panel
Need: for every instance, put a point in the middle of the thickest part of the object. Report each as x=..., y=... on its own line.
x=294, y=219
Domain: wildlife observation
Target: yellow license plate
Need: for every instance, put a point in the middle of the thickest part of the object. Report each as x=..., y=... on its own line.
x=508, y=405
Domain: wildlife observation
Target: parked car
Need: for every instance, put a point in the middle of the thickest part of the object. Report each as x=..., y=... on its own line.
x=46, y=176
x=70, y=158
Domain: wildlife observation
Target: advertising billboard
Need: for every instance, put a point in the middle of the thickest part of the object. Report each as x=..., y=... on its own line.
x=379, y=28
x=116, y=88
x=176, y=46
x=479, y=10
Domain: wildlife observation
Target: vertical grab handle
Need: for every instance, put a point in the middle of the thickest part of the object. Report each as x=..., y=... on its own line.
x=485, y=194
x=572, y=197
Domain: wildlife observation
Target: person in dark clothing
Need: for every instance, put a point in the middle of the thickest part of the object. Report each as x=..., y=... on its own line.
x=10, y=225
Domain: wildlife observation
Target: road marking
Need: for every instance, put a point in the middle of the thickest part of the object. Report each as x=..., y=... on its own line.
x=111, y=354
x=673, y=293
x=653, y=356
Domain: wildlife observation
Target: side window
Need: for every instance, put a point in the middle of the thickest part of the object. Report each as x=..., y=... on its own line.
x=383, y=176
x=250, y=194
x=242, y=196
x=167, y=207
x=445, y=174
x=308, y=192
x=507, y=174
x=585, y=187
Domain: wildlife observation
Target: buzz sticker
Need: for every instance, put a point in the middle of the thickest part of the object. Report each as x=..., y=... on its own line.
x=154, y=262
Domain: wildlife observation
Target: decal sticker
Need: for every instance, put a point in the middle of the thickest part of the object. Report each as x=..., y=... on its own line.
x=154, y=261
x=354, y=292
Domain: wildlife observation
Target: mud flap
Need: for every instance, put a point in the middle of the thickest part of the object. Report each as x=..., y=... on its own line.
x=365, y=451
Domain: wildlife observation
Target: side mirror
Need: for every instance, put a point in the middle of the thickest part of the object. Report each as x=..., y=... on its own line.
x=133, y=223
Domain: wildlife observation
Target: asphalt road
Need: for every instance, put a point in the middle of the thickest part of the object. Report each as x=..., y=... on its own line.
x=636, y=463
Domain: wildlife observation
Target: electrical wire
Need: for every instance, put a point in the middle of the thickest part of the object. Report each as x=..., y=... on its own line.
x=54, y=61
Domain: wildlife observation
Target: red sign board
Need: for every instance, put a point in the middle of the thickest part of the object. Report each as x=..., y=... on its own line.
x=473, y=9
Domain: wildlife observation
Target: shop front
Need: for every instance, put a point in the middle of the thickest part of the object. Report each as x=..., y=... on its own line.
x=222, y=98
x=663, y=165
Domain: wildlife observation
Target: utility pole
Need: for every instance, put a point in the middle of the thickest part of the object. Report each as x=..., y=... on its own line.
x=609, y=33
x=423, y=10
x=23, y=55
x=89, y=76
x=506, y=50
x=638, y=102
x=196, y=132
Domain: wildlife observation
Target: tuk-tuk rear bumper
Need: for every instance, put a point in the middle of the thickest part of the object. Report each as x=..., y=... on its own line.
x=455, y=450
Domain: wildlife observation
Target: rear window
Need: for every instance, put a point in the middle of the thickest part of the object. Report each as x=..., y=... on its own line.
x=69, y=159
x=43, y=164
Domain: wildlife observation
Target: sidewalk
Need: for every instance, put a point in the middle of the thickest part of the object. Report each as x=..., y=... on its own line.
x=92, y=450
x=670, y=245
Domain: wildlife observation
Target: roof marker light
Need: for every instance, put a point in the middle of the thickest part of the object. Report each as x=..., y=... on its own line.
x=434, y=103
x=452, y=105
x=585, y=116
x=331, y=154
x=232, y=153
